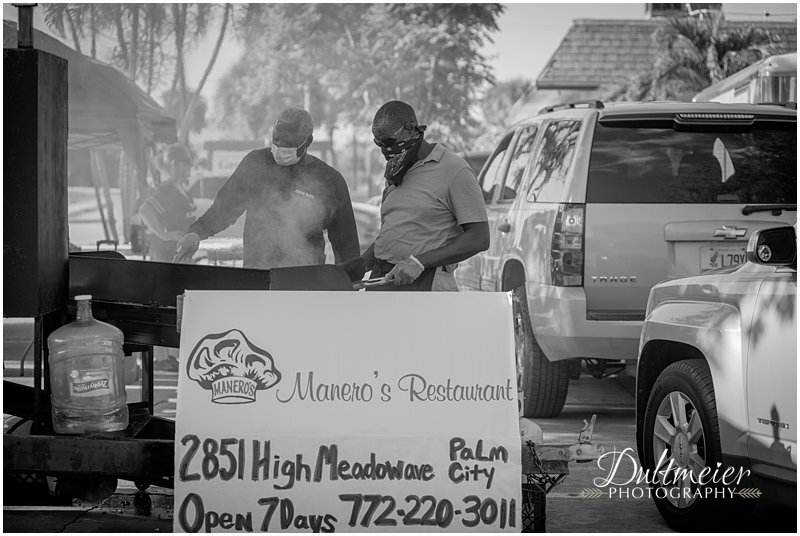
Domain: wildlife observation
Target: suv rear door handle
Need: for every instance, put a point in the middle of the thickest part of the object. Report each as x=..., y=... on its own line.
x=504, y=227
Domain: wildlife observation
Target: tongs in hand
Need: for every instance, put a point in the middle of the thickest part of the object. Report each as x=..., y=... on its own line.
x=375, y=281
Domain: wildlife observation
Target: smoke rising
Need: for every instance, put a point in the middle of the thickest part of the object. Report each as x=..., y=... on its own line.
x=287, y=231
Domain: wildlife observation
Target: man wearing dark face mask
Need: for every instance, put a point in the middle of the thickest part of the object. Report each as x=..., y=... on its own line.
x=432, y=214
x=290, y=196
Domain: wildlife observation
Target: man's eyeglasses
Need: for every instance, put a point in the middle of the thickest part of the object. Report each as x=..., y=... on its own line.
x=392, y=140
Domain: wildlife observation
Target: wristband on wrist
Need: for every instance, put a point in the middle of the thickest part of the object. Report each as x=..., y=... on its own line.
x=418, y=262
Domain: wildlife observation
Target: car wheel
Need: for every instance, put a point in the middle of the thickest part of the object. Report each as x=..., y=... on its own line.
x=681, y=438
x=543, y=383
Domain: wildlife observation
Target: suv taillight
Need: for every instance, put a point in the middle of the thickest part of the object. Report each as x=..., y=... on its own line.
x=566, y=251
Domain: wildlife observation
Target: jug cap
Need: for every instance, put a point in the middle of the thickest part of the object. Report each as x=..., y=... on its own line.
x=82, y=297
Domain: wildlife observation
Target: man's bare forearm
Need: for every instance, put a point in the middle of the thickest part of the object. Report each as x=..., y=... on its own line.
x=472, y=241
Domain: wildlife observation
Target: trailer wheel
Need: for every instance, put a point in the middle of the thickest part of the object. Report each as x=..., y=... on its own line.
x=544, y=383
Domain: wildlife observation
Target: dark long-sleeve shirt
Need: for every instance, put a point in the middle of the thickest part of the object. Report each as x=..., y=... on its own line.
x=288, y=208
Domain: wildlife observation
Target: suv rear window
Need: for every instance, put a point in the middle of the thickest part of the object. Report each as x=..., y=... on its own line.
x=661, y=165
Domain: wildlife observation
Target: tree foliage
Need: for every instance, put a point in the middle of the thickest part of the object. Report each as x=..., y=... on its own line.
x=147, y=42
x=296, y=55
x=695, y=53
x=343, y=61
x=498, y=106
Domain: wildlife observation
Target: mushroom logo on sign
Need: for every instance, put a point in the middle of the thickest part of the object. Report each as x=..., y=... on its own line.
x=231, y=367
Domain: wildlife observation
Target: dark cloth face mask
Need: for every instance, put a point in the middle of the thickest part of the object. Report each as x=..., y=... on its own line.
x=400, y=157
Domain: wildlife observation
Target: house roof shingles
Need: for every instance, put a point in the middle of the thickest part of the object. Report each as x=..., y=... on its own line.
x=598, y=53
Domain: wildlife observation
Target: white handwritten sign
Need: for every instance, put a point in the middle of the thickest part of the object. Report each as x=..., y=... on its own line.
x=339, y=411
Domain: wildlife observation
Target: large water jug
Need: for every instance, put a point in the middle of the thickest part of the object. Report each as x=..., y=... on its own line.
x=87, y=378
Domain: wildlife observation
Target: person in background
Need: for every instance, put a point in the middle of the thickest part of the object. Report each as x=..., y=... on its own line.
x=432, y=214
x=290, y=197
x=169, y=211
x=167, y=214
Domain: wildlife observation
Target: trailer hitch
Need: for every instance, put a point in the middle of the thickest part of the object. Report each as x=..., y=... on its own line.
x=585, y=435
x=585, y=450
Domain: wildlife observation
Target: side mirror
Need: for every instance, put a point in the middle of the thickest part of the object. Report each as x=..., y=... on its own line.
x=488, y=197
x=773, y=247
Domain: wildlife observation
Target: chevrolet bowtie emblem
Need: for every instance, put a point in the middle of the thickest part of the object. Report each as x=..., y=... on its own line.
x=730, y=233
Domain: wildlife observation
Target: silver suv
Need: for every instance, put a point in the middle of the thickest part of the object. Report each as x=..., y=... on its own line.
x=590, y=205
x=717, y=383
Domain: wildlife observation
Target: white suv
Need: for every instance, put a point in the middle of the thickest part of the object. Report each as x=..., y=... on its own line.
x=717, y=383
x=590, y=205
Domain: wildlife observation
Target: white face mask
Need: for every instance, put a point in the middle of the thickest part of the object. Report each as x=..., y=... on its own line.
x=287, y=156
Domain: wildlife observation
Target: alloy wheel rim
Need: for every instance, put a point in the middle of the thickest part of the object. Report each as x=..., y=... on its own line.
x=679, y=448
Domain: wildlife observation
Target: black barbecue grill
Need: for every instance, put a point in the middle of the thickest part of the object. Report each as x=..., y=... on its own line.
x=140, y=299
x=39, y=276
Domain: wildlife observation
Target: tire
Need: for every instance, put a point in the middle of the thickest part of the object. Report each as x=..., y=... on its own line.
x=544, y=383
x=684, y=392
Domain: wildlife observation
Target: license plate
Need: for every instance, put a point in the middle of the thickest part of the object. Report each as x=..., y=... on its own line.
x=714, y=257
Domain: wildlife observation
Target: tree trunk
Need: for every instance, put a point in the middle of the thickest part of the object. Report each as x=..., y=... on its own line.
x=74, y=31
x=93, y=19
x=134, y=40
x=331, y=128
x=151, y=45
x=355, y=159
x=179, y=83
x=102, y=174
x=123, y=45
x=428, y=109
x=129, y=192
x=183, y=130
x=94, y=174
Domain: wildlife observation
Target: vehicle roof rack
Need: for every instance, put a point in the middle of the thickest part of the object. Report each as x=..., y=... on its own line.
x=596, y=104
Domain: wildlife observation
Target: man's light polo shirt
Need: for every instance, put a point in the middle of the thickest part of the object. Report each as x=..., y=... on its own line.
x=437, y=196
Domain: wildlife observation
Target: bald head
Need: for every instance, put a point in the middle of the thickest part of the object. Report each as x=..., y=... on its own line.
x=390, y=117
x=293, y=126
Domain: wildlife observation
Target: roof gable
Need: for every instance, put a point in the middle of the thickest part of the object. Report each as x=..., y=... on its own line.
x=598, y=53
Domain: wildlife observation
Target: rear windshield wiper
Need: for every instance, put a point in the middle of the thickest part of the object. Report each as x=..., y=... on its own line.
x=775, y=209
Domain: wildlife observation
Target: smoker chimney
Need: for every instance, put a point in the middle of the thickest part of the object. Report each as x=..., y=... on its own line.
x=24, y=25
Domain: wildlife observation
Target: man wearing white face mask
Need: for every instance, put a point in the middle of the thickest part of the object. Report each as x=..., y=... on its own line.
x=290, y=196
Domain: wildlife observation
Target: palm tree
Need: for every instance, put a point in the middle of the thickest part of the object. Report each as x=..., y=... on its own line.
x=61, y=17
x=142, y=35
x=185, y=119
x=695, y=53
